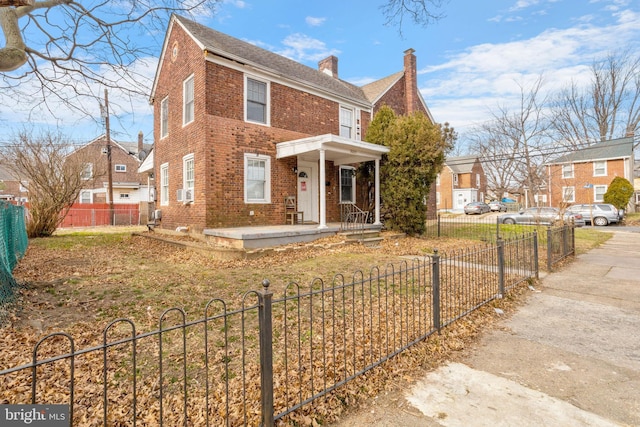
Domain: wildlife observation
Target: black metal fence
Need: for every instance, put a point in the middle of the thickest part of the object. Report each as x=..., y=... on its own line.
x=559, y=240
x=264, y=361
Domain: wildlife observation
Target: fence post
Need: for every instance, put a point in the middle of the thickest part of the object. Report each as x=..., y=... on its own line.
x=549, y=249
x=438, y=225
x=266, y=354
x=500, y=247
x=498, y=227
x=536, y=261
x=435, y=288
x=573, y=240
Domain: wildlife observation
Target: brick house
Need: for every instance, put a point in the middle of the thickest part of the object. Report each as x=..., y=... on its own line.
x=583, y=176
x=238, y=129
x=12, y=189
x=129, y=186
x=462, y=180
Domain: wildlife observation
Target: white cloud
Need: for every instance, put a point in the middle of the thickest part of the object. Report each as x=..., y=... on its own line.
x=301, y=47
x=314, y=22
x=462, y=89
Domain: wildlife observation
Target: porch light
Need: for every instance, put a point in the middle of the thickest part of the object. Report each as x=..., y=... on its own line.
x=295, y=169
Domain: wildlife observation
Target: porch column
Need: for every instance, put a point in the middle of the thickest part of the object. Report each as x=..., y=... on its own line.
x=323, y=191
x=377, y=195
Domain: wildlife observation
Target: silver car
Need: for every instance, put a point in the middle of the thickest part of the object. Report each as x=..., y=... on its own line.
x=602, y=213
x=540, y=216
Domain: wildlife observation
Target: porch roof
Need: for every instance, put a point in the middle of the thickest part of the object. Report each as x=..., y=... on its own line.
x=337, y=149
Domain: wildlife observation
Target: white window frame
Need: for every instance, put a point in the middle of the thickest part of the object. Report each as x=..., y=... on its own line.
x=603, y=189
x=120, y=168
x=164, y=184
x=437, y=197
x=352, y=171
x=477, y=180
x=164, y=117
x=567, y=173
x=569, y=194
x=124, y=196
x=248, y=158
x=455, y=179
x=87, y=171
x=438, y=179
x=83, y=193
x=188, y=101
x=188, y=172
x=600, y=170
x=267, y=101
x=347, y=120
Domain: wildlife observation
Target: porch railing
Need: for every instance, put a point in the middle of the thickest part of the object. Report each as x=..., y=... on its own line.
x=352, y=218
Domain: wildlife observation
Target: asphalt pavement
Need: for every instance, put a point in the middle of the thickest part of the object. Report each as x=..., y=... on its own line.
x=568, y=357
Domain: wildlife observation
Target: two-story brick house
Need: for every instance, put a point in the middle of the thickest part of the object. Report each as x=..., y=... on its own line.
x=128, y=185
x=238, y=129
x=584, y=176
x=461, y=181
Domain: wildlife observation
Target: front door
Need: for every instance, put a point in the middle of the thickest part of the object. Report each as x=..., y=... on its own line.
x=305, y=192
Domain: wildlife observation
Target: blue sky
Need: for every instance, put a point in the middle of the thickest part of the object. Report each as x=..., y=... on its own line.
x=469, y=63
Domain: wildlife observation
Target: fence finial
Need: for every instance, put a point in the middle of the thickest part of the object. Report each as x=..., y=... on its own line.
x=265, y=284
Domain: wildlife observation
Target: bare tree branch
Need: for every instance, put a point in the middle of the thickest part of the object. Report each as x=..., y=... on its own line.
x=420, y=12
x=67, y=51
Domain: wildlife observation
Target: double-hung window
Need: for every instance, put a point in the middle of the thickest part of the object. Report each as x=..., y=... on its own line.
x=257, y=181
x=85, y=196
x=188, y=99
x=164, y=184
x=567, y=171
x=347, y=184
x=568, y=194
x=598, y=193
x=257, y=101
x=87, y=171
x=600, y=168
x=164, y=117
x=346, y=122
x=188, y=172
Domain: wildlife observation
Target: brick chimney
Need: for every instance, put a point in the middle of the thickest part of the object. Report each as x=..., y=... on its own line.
x=329, y=66
x=410, y=81
x=140, y=139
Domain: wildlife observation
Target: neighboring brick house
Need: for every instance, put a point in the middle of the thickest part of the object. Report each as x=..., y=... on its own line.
x=584, y=176
x=238, y=128
x=12, y=189
x=129, y=186
x=462, y=180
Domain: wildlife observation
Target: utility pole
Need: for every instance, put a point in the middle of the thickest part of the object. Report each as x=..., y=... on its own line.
x=110, y=171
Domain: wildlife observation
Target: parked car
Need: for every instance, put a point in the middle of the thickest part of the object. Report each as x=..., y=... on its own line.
x=476, y=208
x=497, y=206
x=602, y=213
x=541, y=216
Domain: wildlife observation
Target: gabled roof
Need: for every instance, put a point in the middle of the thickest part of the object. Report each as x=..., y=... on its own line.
x=461, y=164
x=620, y=148
x=374, y=90
x=220, y=44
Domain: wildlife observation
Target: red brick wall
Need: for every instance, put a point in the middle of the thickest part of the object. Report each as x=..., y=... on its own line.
x=219, y=137
x=582, y=175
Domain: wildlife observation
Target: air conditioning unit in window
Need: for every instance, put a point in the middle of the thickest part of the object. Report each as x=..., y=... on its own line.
x=188, y=195
x=180, y=195
x=105, y=150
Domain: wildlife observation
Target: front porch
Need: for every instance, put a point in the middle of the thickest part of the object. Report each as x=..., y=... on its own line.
x=267, y=236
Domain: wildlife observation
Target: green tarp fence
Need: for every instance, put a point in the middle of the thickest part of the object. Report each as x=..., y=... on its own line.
x=13, y=245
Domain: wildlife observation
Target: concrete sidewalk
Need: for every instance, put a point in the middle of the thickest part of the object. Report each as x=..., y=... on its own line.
x=569, y=357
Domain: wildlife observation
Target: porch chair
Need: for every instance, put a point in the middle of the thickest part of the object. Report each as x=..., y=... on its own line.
x=291, y=213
